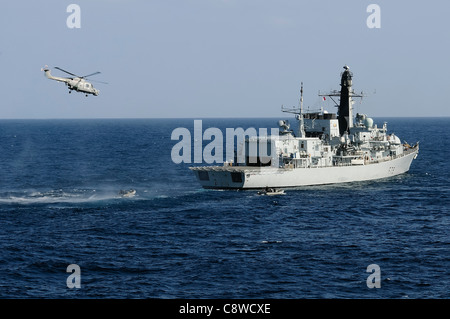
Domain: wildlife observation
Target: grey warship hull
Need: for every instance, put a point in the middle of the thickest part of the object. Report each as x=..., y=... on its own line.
x=248, y=177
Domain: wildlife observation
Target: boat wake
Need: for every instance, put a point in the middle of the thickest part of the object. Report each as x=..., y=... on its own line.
x=58, y=196
x=85, y=196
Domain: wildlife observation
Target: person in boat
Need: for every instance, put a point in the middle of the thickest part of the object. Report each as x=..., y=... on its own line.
x=127, y=192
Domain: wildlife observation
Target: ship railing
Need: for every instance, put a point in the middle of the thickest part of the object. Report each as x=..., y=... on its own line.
x=343, y=164
x=391, y=157
x=295, y=163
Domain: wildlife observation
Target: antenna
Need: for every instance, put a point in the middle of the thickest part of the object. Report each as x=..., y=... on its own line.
x=298, y=112
x=301, y=130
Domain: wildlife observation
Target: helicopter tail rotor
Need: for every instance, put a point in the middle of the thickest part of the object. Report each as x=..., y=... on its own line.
x=47, y=73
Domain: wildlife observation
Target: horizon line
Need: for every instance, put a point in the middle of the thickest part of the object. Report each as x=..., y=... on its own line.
x=187, y=118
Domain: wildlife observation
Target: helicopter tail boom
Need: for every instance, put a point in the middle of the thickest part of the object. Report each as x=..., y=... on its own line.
x=51, y=77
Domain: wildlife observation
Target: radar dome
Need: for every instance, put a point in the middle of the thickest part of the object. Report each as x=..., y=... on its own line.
x=368, y=122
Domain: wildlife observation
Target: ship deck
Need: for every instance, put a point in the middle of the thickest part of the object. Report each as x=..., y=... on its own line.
x=249, y=169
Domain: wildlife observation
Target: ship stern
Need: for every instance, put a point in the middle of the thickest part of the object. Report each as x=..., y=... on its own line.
x=217, y=177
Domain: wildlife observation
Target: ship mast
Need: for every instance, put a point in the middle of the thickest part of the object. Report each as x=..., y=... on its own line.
x=345, y=106
x=301, y=130
x=346, y=102
x=299, y=114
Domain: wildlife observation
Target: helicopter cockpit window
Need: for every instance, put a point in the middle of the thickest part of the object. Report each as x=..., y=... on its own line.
x=87, y=85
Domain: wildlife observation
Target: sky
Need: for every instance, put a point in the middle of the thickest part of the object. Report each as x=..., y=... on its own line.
x=223, y=58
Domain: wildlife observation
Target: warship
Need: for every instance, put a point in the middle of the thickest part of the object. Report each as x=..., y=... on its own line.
x=328, y=148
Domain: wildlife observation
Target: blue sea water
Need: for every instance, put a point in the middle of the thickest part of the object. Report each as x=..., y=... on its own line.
x=59, y=205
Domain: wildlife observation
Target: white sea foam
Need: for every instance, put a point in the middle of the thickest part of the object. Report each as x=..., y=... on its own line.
x=57, y=196
x=93, y=195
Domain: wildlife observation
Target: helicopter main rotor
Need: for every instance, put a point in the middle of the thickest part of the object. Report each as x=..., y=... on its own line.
x=81, y=77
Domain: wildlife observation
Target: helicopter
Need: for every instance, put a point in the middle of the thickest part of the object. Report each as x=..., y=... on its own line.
x=77, y=83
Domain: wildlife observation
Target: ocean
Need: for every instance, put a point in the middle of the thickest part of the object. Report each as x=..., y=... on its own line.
x=59, y=206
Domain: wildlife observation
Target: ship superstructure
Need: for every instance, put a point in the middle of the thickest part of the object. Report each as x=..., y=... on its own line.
x=328, y=148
